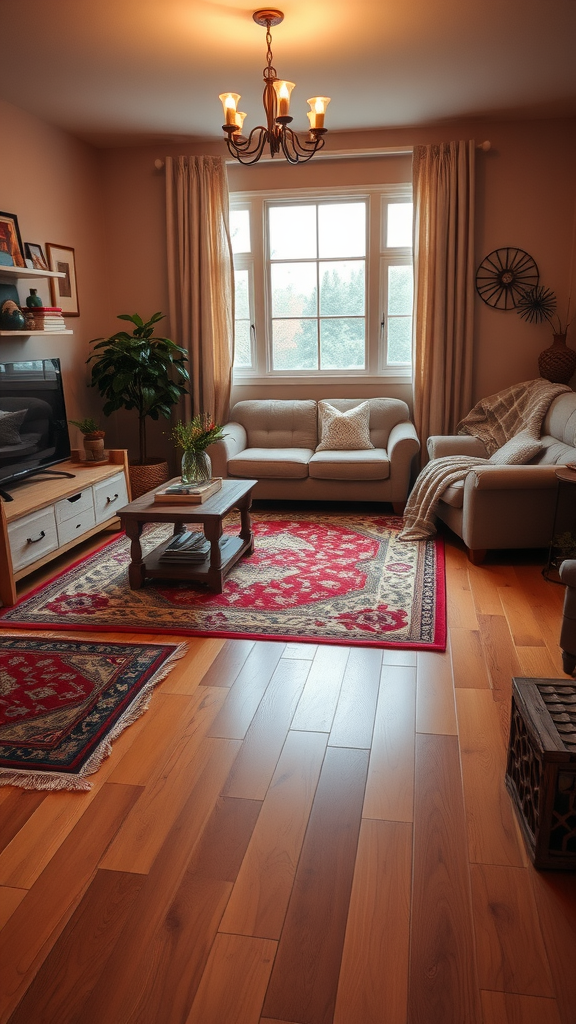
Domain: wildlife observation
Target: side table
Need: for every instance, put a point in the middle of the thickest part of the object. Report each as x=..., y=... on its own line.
x=563, y=539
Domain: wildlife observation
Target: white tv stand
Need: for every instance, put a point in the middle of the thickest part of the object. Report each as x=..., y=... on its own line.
x=48, y=515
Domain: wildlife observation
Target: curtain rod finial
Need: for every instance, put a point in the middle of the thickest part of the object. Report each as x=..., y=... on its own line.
x=484, y=146
x=158, y=164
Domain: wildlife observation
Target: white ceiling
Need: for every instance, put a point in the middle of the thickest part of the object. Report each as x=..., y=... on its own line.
x=112, y=71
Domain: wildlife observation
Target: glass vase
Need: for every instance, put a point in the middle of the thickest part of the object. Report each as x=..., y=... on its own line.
x=196, y=467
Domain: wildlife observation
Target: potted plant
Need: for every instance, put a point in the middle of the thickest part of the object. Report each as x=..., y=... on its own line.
x=194, y=438
x=93, y=439
x=142, y=372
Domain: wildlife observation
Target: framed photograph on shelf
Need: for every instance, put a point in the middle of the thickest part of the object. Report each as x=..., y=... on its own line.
x=10, y=238
x=35, y=253
x=64, y=289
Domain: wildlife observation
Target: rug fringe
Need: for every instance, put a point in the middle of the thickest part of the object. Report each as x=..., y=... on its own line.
x=54, y=781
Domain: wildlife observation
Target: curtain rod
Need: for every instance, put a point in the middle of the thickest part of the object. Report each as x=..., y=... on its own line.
x=346, y=154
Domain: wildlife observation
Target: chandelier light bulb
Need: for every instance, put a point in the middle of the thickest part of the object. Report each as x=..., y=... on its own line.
x=229, y=103
x=317, y=110
x=283, y=91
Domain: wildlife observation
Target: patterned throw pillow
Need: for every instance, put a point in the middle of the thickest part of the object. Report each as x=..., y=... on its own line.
x=9, y=424
x=517, y=451
x=344, y=431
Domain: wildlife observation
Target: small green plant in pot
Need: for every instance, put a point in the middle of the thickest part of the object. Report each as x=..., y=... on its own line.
x=93, y=438
x=142, y=372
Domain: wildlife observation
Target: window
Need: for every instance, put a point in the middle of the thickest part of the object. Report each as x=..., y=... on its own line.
x=323, y=283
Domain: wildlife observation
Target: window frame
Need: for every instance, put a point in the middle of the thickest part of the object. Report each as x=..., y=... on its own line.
x=377, y=199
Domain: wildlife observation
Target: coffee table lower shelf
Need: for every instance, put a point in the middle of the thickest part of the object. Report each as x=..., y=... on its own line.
x=197, y=572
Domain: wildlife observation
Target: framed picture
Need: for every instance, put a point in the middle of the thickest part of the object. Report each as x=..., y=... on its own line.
x=10, y=239
x=64, y=289
x=34, y=252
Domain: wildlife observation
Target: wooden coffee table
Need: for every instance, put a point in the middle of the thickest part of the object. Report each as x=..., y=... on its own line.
x=210, y=514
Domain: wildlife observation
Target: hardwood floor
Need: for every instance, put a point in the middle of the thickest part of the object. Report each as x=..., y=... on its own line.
x=300, y=834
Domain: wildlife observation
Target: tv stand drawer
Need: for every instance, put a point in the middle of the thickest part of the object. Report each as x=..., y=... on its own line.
x=32, y=537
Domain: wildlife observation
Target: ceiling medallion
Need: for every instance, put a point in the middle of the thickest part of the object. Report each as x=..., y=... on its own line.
x=504, y=276
x=276, y=99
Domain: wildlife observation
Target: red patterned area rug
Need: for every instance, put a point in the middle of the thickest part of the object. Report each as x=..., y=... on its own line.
x=62, y=702
x=313, y=577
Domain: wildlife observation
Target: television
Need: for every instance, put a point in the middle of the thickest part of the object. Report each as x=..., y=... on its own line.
x=33, y=423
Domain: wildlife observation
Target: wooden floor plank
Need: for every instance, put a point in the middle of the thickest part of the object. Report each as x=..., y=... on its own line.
x=390, y=656
x=78, y=959
x=260, y=896
x=443, y=985
x=158, y=738
x=501, y=659
x=504, y=1008
x=374, y=974
x=18, y=805
x=354, y=717
x=187, y=676
x=390, y=785
x=317, y=705
x=256, y=762
x=510, y=950
x=177, y=912
x=484, y=582
x=435, y=708
x=228, y=663
x=555, y=894
x=459, y=601
x=304, y=979
x=39, y=919
x=300, y=651
x=9, y=900
x=468, y=666
x=245, y=694
x=493, y=836
x=523, y=624
x=143, y=833
x=234, y=983
x=538, y=662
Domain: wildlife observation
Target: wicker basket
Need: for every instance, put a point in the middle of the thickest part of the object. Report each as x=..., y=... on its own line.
x=146, y=478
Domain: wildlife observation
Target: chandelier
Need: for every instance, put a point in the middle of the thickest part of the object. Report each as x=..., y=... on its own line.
x=276, y=99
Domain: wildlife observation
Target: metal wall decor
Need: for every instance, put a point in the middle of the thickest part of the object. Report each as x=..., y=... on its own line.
x=504, y=276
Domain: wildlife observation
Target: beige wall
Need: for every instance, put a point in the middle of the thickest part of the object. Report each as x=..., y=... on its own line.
x=526, y=189
x=52, y=183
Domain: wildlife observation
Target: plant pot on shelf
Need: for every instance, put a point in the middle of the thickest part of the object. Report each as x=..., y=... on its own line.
x=94, y=446
x=146, y=477
x=557, y=363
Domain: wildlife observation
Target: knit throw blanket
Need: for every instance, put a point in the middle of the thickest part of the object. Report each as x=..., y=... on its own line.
x=494, y=420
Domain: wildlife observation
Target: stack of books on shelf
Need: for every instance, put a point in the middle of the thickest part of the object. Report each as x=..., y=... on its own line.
x=190, y=547
x=187, y=494
x=43, y=318
x=186, y=547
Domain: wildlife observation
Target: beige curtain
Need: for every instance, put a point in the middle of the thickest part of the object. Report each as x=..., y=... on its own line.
x=201, y=278
x=443, y=177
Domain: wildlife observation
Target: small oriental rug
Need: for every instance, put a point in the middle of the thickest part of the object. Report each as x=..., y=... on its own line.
x=314, y=578
x=62, y=702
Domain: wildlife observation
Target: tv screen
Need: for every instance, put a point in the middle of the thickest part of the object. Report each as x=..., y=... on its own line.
x=33, y=424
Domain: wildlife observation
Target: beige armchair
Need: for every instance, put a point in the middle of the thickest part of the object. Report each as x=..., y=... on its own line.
x=508, y=506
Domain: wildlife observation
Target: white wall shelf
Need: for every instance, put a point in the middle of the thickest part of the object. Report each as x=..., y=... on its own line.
x=30, y=334
x=26, y=272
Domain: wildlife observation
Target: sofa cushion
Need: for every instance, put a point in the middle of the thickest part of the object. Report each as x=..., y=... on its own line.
x=454, y=495
x=344, y=431
x=518, y=451
x=555, y=453
x=385, y=413
x=260, y=463
x=278, y=423
x=361, y=464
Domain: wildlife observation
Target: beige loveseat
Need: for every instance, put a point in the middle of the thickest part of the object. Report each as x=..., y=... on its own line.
x=274, y=442
x=508, y=506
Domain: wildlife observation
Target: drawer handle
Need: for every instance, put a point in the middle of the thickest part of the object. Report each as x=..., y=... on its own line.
x=110, y=500
x=34, y=540
x=75, y=497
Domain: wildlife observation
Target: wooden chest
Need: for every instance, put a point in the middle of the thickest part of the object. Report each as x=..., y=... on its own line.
x=541, y=769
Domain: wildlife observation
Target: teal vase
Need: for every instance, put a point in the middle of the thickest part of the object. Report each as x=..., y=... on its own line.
x=34, y=299
x=11, y=319
x=196, y=467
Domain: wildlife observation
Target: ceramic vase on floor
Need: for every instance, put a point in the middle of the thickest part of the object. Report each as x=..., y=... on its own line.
x=557, y=363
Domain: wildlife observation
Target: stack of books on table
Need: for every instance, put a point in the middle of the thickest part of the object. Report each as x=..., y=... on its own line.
x=186, y=547
x=187, y=494
x=43, y=318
